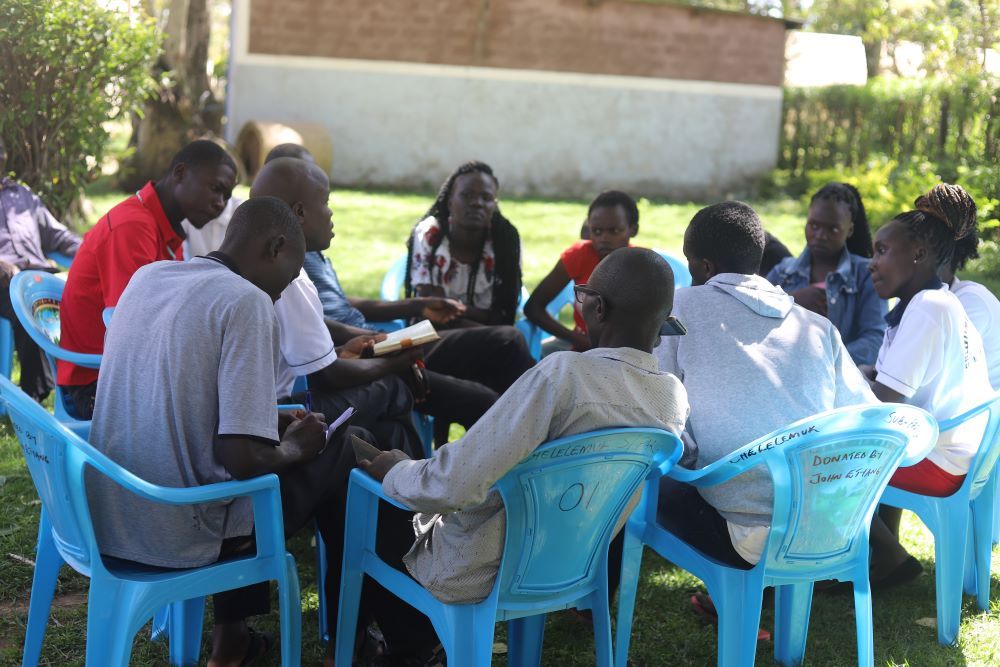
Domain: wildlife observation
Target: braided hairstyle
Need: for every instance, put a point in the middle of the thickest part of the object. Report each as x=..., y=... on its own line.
x=966, y=248
x=860, y=240
x=506, y=248
x=942, y=216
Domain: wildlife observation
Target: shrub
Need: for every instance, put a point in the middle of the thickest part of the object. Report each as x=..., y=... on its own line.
x=68, y=66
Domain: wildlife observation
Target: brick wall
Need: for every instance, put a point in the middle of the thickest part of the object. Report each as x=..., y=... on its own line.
x=612, y=37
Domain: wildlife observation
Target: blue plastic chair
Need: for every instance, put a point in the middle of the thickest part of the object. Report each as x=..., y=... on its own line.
x=123, y=597
x=827, y=482
x=392, y=286
x=962, y=525
x=571, y=491
x=36, y=296
x=7, y=331
x=682, y=276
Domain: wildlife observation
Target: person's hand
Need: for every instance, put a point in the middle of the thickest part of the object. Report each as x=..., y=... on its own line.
x=441, y=311
x=401, y=361
x=581, y=341
x=7, y=271
x=305, y=438
x=286, y=417
x=355, y=348
x=380, y=466
x=811, y=298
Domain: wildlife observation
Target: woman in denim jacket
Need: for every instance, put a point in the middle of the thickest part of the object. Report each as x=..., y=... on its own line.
x=831, y=276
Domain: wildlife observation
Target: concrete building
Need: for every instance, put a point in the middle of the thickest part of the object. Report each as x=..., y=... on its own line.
x=562, y=97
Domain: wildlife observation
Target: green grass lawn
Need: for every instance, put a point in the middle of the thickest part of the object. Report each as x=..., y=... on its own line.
x=371, y=230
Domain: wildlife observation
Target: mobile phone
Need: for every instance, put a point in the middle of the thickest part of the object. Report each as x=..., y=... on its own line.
x=673, y=327
x=364, y=451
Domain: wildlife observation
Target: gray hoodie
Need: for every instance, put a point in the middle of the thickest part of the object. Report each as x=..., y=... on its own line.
x=752, y=362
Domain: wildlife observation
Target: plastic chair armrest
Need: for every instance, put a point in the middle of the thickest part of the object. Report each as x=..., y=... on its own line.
x=60, y=259
x=949, y=424
x=369, y=484
x=264, y=484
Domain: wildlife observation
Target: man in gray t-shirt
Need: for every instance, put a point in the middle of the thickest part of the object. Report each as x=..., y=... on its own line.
x=186, y=398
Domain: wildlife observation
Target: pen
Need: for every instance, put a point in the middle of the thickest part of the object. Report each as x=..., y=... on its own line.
x=309, y=401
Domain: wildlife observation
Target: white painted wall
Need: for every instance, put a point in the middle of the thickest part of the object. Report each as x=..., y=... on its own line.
x=409, y=125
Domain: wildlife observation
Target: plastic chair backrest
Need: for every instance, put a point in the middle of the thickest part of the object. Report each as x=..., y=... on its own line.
x=563, y=503
x=36, y=297
x=392, y=282
x=682, y=276
x=988, y=453
x=828, y=472
x=52, y=454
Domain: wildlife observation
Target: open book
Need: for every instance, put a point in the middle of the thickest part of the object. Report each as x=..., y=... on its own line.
x=420, y=333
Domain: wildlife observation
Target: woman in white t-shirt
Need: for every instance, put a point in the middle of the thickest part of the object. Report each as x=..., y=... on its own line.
x=932, y=357
x=982, y=307
x=465, y=249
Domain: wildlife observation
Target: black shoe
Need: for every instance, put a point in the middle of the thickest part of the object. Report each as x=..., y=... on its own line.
x=906, y=571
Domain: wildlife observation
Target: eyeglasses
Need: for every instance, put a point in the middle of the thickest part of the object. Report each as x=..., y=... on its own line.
x=584, y=288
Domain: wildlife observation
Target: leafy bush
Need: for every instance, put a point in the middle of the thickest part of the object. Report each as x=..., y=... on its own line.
x=68, y=66
x=946, y=123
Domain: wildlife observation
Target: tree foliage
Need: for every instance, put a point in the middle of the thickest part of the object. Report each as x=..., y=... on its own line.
x=67, y=66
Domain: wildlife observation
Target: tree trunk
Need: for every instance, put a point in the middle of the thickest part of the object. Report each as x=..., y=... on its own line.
x=183, y=110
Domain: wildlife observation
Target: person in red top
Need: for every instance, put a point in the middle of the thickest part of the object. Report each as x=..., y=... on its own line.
x=144, y=228
x=612, y=220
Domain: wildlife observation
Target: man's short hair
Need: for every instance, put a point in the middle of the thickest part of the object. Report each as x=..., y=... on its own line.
x=729, y=234
x=265, y=215
x=288, y=150
x=637, y=282
x=203, y=152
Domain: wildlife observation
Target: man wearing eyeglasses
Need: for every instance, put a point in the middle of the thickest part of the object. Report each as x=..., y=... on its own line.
x=459, y=522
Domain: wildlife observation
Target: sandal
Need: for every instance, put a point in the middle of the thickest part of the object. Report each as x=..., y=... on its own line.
x=260, y=644
x=705, y=608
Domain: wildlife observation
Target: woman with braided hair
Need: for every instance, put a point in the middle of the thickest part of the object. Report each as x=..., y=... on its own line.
x=932, y=357
x=465, y=249
x=831, y=276
x=980, y=304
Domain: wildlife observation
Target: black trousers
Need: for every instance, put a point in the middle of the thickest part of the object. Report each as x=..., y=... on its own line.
x=683, y=512
x=313, y=491
x=36, y=376
x=382, y=407
x=468, y=369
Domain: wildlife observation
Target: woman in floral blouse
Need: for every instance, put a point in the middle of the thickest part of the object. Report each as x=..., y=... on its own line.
x=465, y=249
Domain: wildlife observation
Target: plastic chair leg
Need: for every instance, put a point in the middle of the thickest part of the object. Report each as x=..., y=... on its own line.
x=631, y=564
x=470, y=640
x=949, y=558
x=980, y=554
x=184, y=621
x=792, y=606
x=738, y=600
x=602, y=627
x=43, y=586
x=524, y=641
x=290, y=609
x=324, y=633
x=863, y=621
x=357, y=538
x=110, y=623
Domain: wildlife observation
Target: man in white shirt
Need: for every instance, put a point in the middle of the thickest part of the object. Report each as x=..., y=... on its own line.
x=460, y=520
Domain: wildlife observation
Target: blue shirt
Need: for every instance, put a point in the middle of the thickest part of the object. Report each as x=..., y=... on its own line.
x=336, y=306
x=851, y=301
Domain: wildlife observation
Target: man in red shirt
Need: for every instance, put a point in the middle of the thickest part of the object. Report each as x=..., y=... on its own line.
x=144, y=228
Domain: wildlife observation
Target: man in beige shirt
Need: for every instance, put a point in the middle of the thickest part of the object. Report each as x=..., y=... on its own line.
x=460, y=520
